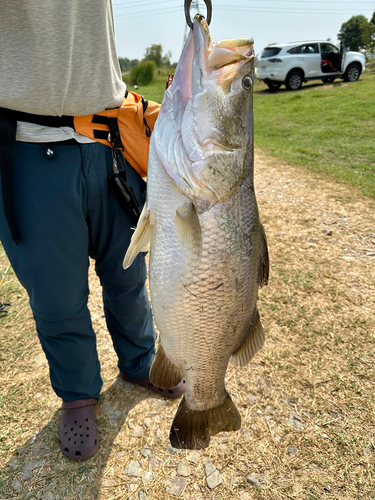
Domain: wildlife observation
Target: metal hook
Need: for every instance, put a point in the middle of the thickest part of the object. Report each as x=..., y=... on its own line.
x=187, y=12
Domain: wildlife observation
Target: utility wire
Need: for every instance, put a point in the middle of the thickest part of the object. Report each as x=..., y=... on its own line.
x=236, y=8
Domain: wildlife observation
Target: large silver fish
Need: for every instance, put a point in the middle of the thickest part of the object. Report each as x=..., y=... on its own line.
x=208, y=248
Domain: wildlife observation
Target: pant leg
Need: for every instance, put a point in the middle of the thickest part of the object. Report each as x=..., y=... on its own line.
x=51, y=261
x=126, y=305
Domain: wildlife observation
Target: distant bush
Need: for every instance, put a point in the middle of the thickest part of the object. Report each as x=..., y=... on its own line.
x=143, y=74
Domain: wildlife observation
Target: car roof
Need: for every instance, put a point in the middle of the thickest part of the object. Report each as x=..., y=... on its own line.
x=289, y=44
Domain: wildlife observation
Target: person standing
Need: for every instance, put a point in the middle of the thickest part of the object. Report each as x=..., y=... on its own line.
x=58, y=59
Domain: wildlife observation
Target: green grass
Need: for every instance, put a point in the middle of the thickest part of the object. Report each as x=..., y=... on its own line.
x=328, y=128
x=155, y=90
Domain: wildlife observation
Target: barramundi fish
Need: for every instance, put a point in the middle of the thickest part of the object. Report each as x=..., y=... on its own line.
x=208, y=250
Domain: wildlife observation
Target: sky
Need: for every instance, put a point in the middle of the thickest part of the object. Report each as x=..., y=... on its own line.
x=141, y=23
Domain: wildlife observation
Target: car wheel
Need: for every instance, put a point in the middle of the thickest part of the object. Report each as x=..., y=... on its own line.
x=328, y=80
x=273, y=86
x=352, y=73
x=294, y=80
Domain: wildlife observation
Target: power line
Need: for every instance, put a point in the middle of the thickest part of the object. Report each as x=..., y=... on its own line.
x=238, y=8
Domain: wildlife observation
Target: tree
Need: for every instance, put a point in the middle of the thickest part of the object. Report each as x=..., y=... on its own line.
x=368, y=35
x=155, y=53
x=351, y=32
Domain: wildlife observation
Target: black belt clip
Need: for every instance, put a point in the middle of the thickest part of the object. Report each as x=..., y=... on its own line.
x=120, y=187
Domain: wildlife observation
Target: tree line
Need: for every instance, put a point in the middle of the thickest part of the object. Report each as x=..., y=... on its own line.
x=359, y=34
x=142, y=72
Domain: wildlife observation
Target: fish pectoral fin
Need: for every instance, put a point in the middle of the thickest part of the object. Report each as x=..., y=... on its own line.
x=191, y=429
x=251, y=345
x=189, y=232
x=264, y=264
x=164, y=372
x=140, y=240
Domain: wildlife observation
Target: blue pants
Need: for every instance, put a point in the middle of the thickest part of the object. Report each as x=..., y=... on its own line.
x=66, y=213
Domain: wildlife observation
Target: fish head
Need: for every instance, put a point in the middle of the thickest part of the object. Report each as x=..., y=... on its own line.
x=210, y=105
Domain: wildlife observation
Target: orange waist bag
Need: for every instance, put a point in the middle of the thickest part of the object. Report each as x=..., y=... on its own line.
x=128, y=128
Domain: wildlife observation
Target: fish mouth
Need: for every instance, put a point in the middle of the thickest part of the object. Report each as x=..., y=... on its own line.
x=219, y=61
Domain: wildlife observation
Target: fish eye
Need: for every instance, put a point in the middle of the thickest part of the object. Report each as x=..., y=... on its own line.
x=247, y=82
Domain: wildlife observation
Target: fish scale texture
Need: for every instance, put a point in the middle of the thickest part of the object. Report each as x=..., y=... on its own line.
x=203, y=308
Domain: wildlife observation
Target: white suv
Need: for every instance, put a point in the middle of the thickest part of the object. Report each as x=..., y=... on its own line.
x=298, y=62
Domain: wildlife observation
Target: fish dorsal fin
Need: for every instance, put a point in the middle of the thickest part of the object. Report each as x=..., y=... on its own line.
x=251, y=345
x=140, y=240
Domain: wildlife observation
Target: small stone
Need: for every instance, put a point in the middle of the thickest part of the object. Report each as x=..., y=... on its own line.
x=16, y=485
x=142, y=495
x=194, y=457
x=251, y=398
x=27, y=471
x=147, y=422
x=137, y=431
x=115, y=416
x=183, y=469
x=121, y=454
x=254, y=479
x=145, y=452
x=153, y=463
x=147, y=476
x=277, y=438
x=214, y=479
x=327, y=488
x=172, y=451
x=159, y=403
x=292, y=451
x=177, y=487
x=254, y=427
x=324, y=435
x=13, y=462
x=132, y=469
x=48, y=496
x=294, y=423
x=209, y=468
x=259, y=412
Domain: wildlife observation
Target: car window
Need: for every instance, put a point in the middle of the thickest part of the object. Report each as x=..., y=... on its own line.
x=295, y=50
x=327, y=48
x=270, y=52
x=311, y=48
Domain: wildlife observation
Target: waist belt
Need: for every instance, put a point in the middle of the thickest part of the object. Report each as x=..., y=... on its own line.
x=8, y=129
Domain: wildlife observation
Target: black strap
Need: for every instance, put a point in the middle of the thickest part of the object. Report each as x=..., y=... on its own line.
x=8, y=129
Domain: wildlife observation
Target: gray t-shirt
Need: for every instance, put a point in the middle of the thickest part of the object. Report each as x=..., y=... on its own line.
x=58, y=58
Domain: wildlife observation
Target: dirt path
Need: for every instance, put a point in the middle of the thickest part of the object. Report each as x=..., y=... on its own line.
x=306, y=400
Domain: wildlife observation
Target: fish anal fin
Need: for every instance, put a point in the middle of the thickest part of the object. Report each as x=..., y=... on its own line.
x=164, y=372
x=251, y=345
x=191, y=429
x=140, y=239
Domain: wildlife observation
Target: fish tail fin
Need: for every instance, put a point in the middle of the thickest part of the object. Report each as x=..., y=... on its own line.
x=191, y=429
x=252, y=344
x=164, y=372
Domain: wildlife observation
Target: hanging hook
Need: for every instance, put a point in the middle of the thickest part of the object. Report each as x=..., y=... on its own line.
x=187, y=12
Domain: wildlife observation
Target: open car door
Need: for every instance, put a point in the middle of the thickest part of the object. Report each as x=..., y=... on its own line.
x=342, y=56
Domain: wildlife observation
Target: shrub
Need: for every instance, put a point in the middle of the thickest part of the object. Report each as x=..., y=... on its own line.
x=143, y=73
